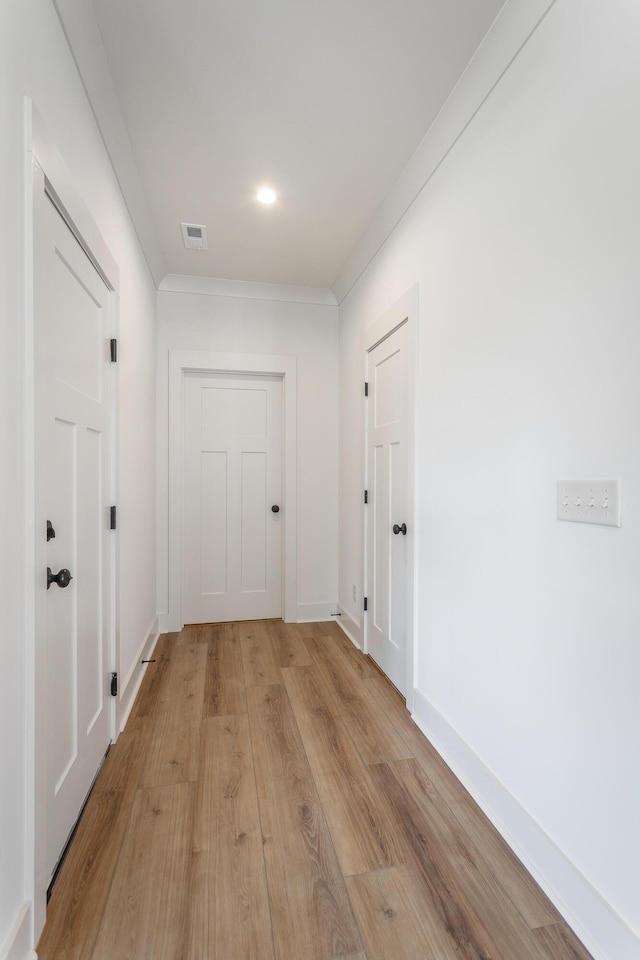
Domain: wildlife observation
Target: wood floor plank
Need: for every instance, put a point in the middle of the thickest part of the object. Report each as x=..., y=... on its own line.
x=361, y=664
x=289, y=645
x=224, y=692
x=201, y=632
x=516, y=882
x=561, y=943
x=404, y=831
x=223, y=639
x=366, y=722
x=391, y=914
x=258, y=656
x=174, y=747
x=310, y=909
x=155, y=677
x=480, y=920
x=76, y=908
x=362, y=827
x=323, y=629
x=224, y=689
x=334, y=651
x=228, y=914
x=145, y=914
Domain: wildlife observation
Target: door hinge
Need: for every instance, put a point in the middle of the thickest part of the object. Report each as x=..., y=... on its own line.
x=114, y=351
x=112, y=518
x=366, y=496
x=365, y=604
x=366, y=389
x=114, y=684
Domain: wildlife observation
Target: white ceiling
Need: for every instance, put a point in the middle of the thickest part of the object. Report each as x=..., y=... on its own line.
x=325, y=101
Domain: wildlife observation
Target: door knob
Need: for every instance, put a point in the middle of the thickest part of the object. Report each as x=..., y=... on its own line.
x=275, y=508
x=400, y=529
x=63, y=578
x=51, y=534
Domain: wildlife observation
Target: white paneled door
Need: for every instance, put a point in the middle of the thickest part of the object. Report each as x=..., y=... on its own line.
x=73, y=539
x=233, y=509
x=388, y=536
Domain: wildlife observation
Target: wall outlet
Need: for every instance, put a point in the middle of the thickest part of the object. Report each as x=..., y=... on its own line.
x=355, y=594
x=589, y=501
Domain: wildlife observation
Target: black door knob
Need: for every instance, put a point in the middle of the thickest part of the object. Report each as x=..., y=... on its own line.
x=400, y=529
x=63, y=578
x=275, y=508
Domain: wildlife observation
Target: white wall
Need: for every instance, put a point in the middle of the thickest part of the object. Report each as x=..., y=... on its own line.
x=525, y=243
x=234, y=324
x=35, y=60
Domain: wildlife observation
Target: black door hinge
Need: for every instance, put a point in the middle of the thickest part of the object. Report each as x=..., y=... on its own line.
x=366, y=496
x=365, y=603
x=114, y=684
x=366, y=389
x=112, y=518
x=114, y=351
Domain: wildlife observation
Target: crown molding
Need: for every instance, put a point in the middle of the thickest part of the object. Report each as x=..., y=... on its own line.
x=516, y=23
x=81, y=30
x=246, y=289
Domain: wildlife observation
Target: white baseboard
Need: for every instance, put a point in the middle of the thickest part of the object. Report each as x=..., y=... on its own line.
x=133, y=680
x=304, y=613
x=166, y=623
x=17, y=945
x=594, y=921
x=315, y=612
x=350, y=626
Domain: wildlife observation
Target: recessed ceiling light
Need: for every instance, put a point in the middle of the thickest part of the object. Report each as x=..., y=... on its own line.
x=266, y=195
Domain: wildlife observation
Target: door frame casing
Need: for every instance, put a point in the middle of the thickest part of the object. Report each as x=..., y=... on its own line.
x=403, y=311
x=42, y=159
x=205, y=361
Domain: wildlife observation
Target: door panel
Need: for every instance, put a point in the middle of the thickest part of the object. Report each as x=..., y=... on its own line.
x=387, y=557
x=253, y=509
x=232, y=477
x=72, y=330
x=213, y=514
x=62, y=637
x=379, y=594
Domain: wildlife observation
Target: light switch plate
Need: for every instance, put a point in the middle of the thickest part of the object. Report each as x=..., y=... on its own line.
x=589, y=501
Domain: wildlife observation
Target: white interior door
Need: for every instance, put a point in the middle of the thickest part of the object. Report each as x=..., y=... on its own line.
x=232, y=498
x=72, y=492
x=388, y=538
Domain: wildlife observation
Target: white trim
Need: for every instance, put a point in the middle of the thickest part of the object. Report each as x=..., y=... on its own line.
x=316, y=612
x=350, y=627
x=603, y=932
x=28, y=402
x=42, y=158
x=181, y=361
x=17, y=945
x=513, y=28
x=246, y=289
x=128, y=689
x=57, y=171
x=405, y=309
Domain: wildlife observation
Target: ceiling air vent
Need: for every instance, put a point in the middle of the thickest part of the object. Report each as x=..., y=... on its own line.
x=195, y=236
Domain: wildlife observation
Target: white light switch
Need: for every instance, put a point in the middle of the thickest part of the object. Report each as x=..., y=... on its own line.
x=589, y=501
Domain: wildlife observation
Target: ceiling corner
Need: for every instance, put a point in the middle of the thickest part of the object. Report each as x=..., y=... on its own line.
x=81, y=30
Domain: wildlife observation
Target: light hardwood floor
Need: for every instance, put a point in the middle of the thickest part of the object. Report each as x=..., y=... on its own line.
x=271, y=799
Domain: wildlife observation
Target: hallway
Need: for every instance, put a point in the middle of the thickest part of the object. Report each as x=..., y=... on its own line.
x=271, y=798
